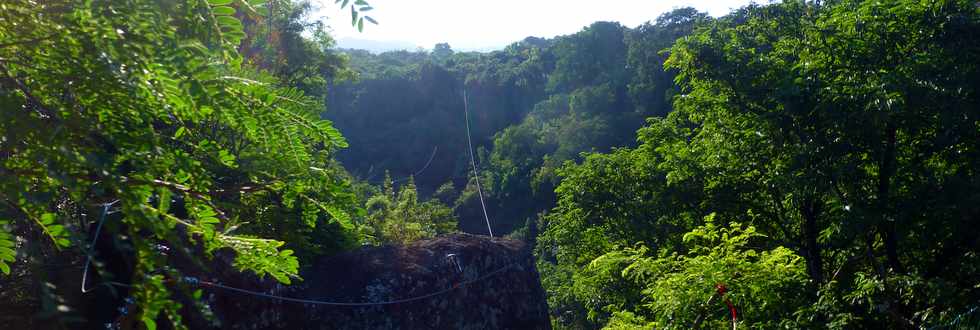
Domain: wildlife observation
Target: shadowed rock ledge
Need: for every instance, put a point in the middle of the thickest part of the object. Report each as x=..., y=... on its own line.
x=492, y=284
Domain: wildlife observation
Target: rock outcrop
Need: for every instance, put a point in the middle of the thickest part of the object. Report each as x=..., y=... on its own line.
x=457, y=281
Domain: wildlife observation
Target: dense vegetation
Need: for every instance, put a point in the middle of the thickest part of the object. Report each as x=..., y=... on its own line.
x=177, y=129
x=845, y=135
x=534, y=105
x=818, y=161
x=792, y=165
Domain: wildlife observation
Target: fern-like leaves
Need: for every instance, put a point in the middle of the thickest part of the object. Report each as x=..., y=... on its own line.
x=7, y=251
x=56, y=232
x=263, y=257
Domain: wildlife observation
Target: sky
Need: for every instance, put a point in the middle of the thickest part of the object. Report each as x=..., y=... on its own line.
x=493, y=24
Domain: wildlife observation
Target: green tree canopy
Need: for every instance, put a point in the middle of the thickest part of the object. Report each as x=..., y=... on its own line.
x=845, y=132
x=149, y=108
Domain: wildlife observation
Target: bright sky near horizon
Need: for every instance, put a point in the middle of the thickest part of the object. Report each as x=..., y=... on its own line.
x=485, y=24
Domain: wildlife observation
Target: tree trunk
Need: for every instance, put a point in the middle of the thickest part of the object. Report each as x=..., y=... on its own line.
x=886, y=224
x=810, y=210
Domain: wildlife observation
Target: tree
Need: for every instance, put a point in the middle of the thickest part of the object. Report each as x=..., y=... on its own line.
x=842, y=140
x=396, y=215
x=652, y=88
x=144, y=117
x=829, y=128
x=442, y=51
x=720, y=269
x=276, y=44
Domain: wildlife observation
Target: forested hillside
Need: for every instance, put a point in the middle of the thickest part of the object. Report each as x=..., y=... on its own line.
x=534, y=105
x=820, y=164
x=798, y=165
x=795, y=165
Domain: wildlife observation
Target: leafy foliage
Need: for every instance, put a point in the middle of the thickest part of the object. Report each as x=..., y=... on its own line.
x=395, y=215
x=817, y=160
x=827, y=127
x=535, y=104
x=356, y=12
x=683, y=289
x=151, y=104
x=296, y=50
x=8, y=251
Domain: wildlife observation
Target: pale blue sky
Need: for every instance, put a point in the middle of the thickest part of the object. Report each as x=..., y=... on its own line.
x=482, y=24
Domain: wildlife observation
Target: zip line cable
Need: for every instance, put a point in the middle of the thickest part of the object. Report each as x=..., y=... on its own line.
x=349, y=304
x=195, y=281
x=431, y=157
x=424, y=167
x=469, y=142
x=955, y=321
x=91, y=248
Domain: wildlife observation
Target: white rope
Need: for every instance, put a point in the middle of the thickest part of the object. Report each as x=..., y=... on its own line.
x=91, y=248
x=431, y=157
x=469, y=141
x=195, y=281
x=351, y=304
x=955, y=321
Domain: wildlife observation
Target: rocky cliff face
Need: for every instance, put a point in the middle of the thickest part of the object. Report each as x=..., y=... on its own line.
x=458, y=281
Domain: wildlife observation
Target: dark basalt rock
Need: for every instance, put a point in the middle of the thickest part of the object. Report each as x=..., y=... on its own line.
x=480, y=283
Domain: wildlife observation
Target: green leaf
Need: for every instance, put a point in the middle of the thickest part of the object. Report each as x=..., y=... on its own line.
x=7, y=252
x=47, y=219
x=194, y=47
x=226, y=158
x=54, y=231
x=360, y=25
x=229, y=22
x=180, y=132
x=223, y=10
x=164, y=195
x=340, y=216
x=205, y=211
x=181, y=176
x=235, y=34
x=353, y=16
x=261, y=256
x=369, y=19
x=149, y=323
x=219, y=2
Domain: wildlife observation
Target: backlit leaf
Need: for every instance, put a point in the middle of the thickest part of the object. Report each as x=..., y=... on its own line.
x=223, y=10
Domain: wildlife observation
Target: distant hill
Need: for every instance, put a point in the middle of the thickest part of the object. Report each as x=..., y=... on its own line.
x=381, y=46
x=374, y=46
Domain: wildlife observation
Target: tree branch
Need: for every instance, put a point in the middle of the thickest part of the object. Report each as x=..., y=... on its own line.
x=38, y=106
x=201, y=196
x=28, y=41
